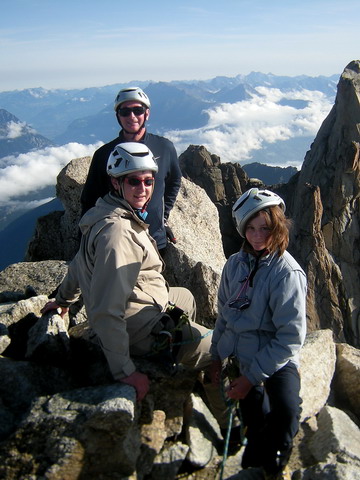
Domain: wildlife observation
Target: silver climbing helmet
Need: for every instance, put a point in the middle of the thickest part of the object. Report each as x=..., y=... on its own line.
x=131, y=94
x=130, y=157
x=252, y=202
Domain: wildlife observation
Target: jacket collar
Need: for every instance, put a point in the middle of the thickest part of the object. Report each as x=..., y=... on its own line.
x=128, y=211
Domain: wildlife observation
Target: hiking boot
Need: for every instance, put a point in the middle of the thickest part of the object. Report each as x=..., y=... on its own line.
x=284, y=474
x=252, y=456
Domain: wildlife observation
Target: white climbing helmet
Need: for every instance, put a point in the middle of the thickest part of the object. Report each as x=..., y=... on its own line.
x=130, y=157
x=251, y=202
x=131, y=94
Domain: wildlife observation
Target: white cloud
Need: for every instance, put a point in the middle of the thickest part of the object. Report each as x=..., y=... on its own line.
x=234, y=131
x=13, y=130
x=14, y=205
x=33, y=171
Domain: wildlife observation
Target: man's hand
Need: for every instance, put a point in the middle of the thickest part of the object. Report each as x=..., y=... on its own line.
x=140, y=382
x=239, y=388
x=169, y=233
x=52, y=305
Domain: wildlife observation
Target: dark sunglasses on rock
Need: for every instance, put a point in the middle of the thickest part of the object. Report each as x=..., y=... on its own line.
x=126, y=111
x=135, y=181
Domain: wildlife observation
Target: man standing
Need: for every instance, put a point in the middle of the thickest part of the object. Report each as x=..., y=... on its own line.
x=132, y=107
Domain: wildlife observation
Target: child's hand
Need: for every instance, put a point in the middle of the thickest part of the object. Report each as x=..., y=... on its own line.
x=239, y=388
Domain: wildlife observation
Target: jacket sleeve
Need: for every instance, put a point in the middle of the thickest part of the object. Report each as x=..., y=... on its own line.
x=97, y=182
x=220, y=324
x=69, y=290
x=113, y=281
x=173, y=181
x=288, y=306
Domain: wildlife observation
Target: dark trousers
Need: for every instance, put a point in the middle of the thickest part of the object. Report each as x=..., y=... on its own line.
x=271, y=415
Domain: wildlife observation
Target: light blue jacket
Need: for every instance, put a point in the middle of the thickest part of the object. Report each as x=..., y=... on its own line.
x=269, y=333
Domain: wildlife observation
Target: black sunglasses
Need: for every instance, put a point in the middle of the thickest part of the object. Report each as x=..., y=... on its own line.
x=135, y=182
x=126, y=111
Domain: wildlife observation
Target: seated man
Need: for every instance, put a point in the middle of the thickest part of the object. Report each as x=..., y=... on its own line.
x=118, y=271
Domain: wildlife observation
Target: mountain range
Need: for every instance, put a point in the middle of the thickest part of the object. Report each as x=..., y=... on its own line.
x=263, y=121
x=87, y=115
x=17, y=137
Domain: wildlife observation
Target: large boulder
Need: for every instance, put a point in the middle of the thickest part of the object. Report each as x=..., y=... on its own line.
x=317, y=368
x=223, y=183
x=347, y=380
x=25, y=279
x=197, y=259
x=57, y=234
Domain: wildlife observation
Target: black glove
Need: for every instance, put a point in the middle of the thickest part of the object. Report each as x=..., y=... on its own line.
x=169, y=233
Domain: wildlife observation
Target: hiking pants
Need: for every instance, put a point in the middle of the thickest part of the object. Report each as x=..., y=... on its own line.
x=271, y=414
x=193, y=353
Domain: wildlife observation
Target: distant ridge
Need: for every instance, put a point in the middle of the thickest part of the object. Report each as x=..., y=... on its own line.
x=15, y=237
x=269, y=175
x=17, y=137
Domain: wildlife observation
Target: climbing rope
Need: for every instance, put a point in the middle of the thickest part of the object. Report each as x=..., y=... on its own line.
x=231, y=371
x=227, y=439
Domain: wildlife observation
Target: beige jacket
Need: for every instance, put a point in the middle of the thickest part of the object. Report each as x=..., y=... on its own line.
x=118, y=271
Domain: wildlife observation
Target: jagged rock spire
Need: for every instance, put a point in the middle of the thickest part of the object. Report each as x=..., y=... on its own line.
x=326, y=213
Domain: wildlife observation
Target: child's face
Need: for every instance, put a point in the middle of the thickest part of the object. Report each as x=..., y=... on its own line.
x=257, y=232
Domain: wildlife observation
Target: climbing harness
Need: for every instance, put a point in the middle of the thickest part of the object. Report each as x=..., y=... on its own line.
x=169, y=338
x=169, y=331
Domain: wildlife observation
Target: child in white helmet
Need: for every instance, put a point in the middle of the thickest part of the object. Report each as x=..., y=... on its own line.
x=261, y=326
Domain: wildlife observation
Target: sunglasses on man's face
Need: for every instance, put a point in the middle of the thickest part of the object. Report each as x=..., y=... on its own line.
x=126, y=111
x=135, y=181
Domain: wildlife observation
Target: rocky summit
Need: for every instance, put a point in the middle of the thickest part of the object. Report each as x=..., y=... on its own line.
x=62, y=417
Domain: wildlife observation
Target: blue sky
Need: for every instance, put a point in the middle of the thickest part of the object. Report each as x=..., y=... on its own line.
x=75, y=44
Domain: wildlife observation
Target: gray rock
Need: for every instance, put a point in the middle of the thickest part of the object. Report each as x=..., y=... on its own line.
x=327, y=219
x=92, y=431
x=223, y=183
x=43, y=277
x=321, y=471
x=16, y=319
x=153, y=436
x=168, y=462
x=317, y=367
x=17, y=311
x=347, y=384
x=202, y=433
x=49, y=341
x=197, y=259
x=337, y=438
x=5, y=339
x=21, y=382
